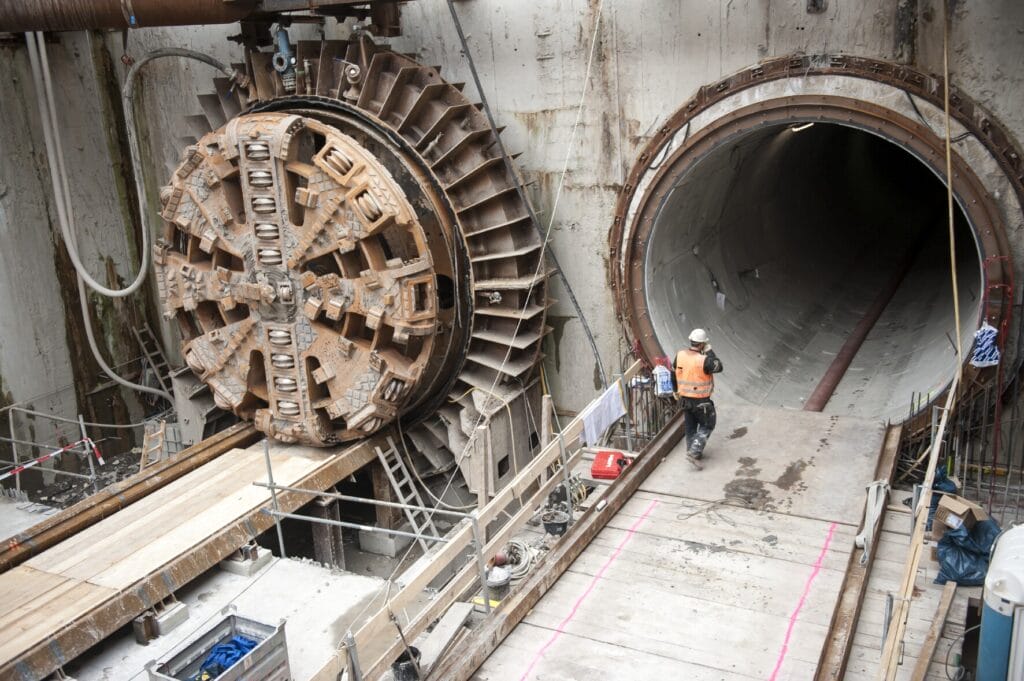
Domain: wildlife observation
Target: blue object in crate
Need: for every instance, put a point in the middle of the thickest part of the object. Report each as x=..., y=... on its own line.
x=223, y=655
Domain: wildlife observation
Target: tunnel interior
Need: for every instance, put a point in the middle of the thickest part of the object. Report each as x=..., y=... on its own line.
x=778, y=240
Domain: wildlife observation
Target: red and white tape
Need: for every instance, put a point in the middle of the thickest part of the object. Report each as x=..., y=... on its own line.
x=95, y=451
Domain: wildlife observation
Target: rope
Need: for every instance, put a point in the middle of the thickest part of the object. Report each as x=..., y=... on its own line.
x=878, y=492
x=949, y=191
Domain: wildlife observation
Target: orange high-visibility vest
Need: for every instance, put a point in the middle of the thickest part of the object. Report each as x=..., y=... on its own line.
x=691, y=381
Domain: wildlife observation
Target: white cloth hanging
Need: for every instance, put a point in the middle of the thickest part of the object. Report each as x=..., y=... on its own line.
x=602, y=413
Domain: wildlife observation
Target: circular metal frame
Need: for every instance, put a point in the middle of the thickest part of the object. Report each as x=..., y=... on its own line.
x=659, y=166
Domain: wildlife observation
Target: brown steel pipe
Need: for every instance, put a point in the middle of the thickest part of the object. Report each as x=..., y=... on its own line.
x=837, y=369
x=109, y=500
x=74, y=15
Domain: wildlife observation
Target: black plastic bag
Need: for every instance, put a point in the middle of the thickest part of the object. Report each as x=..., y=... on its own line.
x=963, y=554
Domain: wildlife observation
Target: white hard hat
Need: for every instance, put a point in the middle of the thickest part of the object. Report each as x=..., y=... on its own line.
x=698, y=336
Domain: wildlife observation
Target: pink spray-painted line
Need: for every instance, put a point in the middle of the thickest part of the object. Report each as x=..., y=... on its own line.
x=560, y=629
x=800, y=604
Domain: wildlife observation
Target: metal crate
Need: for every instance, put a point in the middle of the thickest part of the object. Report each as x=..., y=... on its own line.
x=268, y=661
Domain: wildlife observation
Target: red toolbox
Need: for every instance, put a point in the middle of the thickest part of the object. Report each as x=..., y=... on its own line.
x=608, y=465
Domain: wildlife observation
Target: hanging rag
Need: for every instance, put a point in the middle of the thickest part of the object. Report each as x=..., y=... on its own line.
x=602, y=413
x=878, y=495
x=986, y=351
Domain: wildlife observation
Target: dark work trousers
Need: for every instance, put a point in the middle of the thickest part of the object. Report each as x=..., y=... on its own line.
x=700, y=419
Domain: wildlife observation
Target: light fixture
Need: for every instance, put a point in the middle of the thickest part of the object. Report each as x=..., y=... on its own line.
x=798, y=128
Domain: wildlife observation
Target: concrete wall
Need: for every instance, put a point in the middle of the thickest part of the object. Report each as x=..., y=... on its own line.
x=45, y=363
x=651, y=57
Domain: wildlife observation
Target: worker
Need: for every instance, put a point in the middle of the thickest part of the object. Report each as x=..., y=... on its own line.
x=694, y=368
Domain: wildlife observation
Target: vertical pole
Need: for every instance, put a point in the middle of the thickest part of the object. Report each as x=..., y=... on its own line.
x=913, y=515
x=481, y=565
x=353, y=658
x=983, y=436
x=88, y=456
x=547, y=407
x=1011, y=446
x=273, y=496
x=624, y=393
x=14, y=447
x=481, y=465
x=566, y=474
x=328, y=545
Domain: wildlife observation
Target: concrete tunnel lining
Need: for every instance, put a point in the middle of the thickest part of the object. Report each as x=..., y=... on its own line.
x=778, y=239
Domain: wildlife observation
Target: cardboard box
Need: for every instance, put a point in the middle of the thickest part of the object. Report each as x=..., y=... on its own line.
x=954, y=512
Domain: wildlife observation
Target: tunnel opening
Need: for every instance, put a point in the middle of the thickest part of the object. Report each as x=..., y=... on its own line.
x=778, y=239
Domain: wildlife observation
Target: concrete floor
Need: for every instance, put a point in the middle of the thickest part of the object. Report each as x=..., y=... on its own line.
x=16, y=516
x=731, y=572
x=317, y=602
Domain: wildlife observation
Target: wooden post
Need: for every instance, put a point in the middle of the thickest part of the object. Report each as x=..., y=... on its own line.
x=547, y=411
x=481, y=465
x=388, y=518
x=328, y=543
x=924, y=658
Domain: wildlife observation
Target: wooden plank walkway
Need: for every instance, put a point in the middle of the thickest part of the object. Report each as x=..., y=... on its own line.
x=727, y=573
x=885, y=578
x=59, y=603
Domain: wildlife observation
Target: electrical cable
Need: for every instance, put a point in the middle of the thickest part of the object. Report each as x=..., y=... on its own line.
x=547, y=234
x=960, y=670
x=521, y=557
x=58, y=176
x=64, y=419
x=91, y=338
x=519, y=185
x=409, y=464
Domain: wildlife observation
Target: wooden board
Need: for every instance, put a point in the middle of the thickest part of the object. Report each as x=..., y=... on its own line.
x=84, y=588
x=885, y=578
x=832, y=665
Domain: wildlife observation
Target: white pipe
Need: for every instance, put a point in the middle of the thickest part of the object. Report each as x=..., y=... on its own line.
x=84, y=301
x=66, y=216
x=58, y=177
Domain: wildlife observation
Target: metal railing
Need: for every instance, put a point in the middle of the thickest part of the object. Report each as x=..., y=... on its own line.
x=81, y=431
x=646, y=413
x=275, y=510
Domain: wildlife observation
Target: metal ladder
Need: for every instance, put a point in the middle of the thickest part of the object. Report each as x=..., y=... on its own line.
x=152, y=445
x=406, y=492
x=154, y=355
